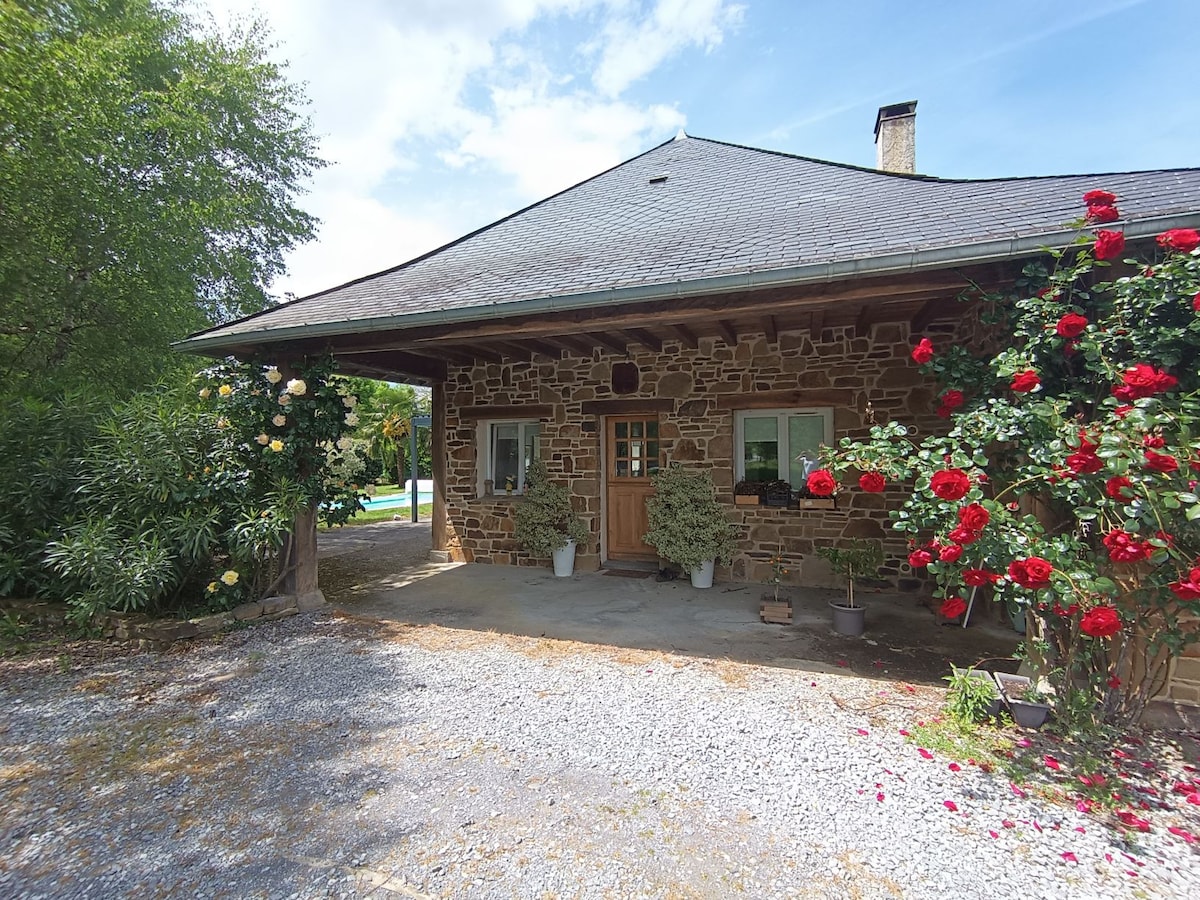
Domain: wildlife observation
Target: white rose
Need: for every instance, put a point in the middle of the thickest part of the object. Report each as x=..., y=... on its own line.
x=273, y=375
x=279, y=421
x=297, y=387
x=263, y=439
x=351, y=401
x=284, y=399
x=205, y=393
x=352, y=419
x=344, y=443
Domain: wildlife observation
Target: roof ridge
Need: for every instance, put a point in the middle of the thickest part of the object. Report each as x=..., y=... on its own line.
x=911, y=176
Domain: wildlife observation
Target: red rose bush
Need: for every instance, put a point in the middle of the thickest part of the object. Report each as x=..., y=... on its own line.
x=1066, y=479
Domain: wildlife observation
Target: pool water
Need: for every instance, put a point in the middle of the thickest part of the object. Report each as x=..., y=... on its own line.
x=393, y=501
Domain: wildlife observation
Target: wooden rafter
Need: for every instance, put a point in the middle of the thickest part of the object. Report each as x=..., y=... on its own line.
x=643, y=337
x=929, y=311
x=605, y=340
x=816, y=323
x=770, y=328
x=571, y=344
x=686, y=336
x=728, y=331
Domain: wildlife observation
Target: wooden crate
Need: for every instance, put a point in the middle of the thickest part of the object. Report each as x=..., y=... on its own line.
x=776, y=613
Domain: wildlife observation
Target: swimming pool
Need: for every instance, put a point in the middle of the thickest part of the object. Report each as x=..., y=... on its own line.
x=393, y=501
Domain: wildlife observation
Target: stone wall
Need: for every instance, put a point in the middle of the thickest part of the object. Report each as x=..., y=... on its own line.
x=837, y=368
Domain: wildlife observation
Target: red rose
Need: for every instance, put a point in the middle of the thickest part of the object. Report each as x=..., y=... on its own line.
x=1196, y=303
x=1123, y=547
x=950, y=553
x=1084, y=462
x=1160, y=462
x=1185, y=240
x=1071, y=325
x=1098, y=215
x=963, y=535
x=974, y=517
x=923, y=352
x=953, y=607
x=1100, y=621
x=1099, y=198
x=1024, y=382
x=919, y=559
x=1032, y=573
x=1189, y=588
x=872, y=482
x=1114, y=682
x=1142, y=380
x=950, y=484
x=1109, y=244
x=952, y=399
x=1122, y=411
x=1114, y=487
x=1154, y=441
x=820, y=483
x=979, y=577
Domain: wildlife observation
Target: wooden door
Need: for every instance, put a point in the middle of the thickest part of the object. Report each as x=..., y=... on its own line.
x=632, y=457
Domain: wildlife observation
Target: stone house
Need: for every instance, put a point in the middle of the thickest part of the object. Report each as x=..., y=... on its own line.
x=703, y=303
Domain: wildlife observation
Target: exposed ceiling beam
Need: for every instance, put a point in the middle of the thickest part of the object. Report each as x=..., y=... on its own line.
x=604, y=340
x=514, y=350
x=867, y=317
x=816, y=323
x=925, y=316
x=572, y=344
x=728, y=332
x=643, y=337
x=770, y=329
x=546, y=348
x=388, y=364
x=686, y=336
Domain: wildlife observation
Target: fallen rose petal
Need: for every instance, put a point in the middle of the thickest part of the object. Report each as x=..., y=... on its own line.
x=1108, y=857
x=925, y=754
x=879, y=796
x=954, y=767
x=1068, y=856
x=1179, y=832
x=994, y=834
x=842, y=663
x=1016, y=790
x=903, y=733
x=863, y=731
x=1194, y=799
x=1037, y=827
x=1132, y=821
x=1081, y=829
x=950, y=805
x=1008, y=823
x=1084, y=806
x=1052, y=763
x=1024, y=742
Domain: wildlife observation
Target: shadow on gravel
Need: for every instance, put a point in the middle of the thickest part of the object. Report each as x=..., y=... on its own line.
x=380, y=571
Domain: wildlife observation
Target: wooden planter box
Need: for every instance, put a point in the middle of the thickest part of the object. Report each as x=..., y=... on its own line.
x=816, y=503
x=745, y=499
x=775, y=613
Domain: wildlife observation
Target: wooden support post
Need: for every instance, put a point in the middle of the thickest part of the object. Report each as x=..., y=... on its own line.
x=437, y=444
x=301, y=580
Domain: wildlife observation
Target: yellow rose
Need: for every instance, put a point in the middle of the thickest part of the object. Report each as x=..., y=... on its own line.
x=212, y=587
x=224, y=390
x=273, y=375
x=205, y=393
x=276, y=445
x=351, y=401
x=263, y=439
x=297, y=387
x=230, y=577
x=344, y=443
x=222, y=422
x=351, y=419
x=279, y=421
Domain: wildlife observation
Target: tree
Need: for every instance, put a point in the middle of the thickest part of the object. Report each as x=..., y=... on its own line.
x=387, y=411
x=148, y=178
x=1067, y=480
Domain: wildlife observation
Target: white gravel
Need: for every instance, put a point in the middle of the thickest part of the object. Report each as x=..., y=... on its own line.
x=324, y=757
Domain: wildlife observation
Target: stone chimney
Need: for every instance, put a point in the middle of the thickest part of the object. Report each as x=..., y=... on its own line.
x=896, y=138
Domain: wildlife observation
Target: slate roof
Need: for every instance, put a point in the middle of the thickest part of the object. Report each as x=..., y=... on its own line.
x=724, y=212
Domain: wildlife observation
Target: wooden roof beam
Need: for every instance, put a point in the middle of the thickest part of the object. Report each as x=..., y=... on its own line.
x=571, y=344
x=925, y=316
x=770, y=328
x=686, y=336
x=728, y=332
x=643, y=337
x=816, y=323
x=608, y=342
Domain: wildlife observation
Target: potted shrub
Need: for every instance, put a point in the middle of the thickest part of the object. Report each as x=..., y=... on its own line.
x=688, y=524
x=972, y=696
x=747, y=493
x=855, y=559
x=546, y=525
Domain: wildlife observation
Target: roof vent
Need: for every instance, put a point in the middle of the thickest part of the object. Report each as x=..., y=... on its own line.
x=896, y=137
x=681, y=135
x=660, y=178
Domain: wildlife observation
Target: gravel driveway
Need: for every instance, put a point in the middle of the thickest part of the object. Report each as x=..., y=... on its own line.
x=327, y=756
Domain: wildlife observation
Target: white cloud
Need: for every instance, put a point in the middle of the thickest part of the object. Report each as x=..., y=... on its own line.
x=395, y=86
x=631, y=49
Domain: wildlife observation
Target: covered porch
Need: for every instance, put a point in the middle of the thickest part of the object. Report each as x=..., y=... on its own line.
x=382, y=572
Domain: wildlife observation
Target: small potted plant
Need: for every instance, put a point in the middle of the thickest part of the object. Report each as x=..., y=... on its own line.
x=854, y=560
x=688, y=524
x=972, y=696
x=546, y=524
x=1025, y=700
x=747, y=493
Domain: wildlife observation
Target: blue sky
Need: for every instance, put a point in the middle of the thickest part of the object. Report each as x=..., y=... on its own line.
x=439, y=116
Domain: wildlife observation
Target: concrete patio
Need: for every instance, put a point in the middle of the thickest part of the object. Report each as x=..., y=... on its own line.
x=380, y=571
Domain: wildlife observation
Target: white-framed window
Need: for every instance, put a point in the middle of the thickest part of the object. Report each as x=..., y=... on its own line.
x=772, y=444
x=506, y=450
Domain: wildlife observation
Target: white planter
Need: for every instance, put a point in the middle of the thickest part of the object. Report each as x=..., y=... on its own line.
x=564, y=560
x=702, y=575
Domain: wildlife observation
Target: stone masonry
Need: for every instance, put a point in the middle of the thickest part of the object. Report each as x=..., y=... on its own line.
x=701, y=385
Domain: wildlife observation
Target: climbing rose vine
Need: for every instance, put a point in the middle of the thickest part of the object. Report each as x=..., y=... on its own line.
x=1066, y=484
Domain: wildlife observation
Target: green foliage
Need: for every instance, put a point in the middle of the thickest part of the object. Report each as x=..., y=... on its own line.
x=1116, y=396
x=545, y=520
x=854, y=559
x=148, y=187
x=971, y=694
x=386, y=411
x=687, y=523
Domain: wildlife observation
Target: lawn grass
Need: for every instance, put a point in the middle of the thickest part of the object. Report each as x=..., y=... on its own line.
x=424, y=512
